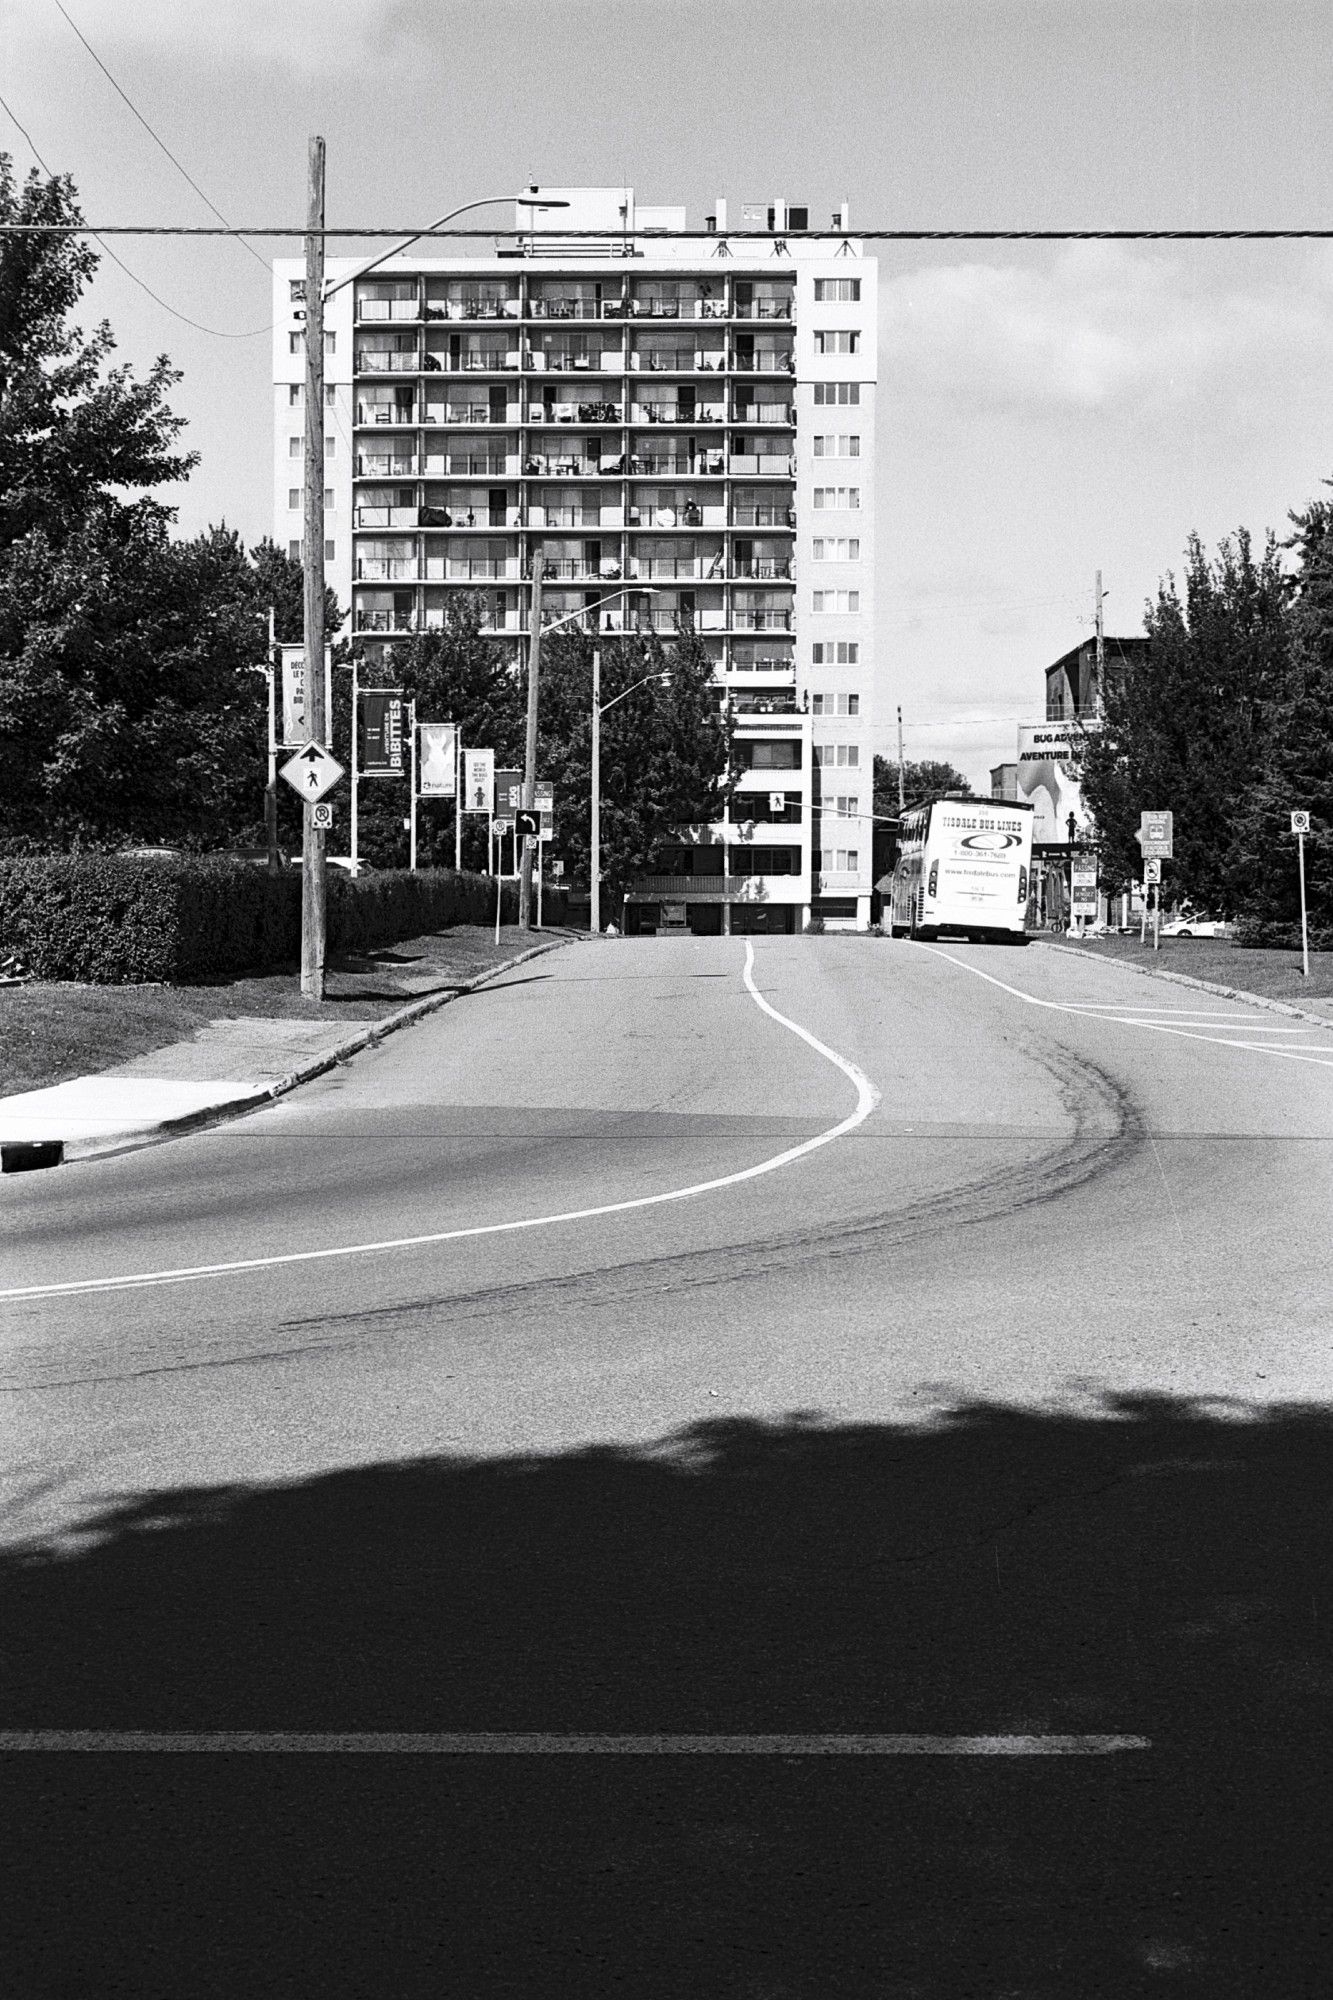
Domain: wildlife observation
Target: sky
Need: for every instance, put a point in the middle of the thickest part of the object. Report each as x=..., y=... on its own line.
x=1045, y=411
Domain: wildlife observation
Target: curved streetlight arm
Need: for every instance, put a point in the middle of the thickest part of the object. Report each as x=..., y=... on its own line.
x=486, y=201
x=630, y=590
x=663, y=676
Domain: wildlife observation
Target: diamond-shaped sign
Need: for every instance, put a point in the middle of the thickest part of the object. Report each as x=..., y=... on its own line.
x=312, y=771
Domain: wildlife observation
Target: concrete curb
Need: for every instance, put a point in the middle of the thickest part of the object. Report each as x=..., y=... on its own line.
x=25, y=1156
x=1199, y=985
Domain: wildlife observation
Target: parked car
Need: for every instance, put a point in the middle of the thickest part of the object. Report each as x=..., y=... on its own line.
x=1191, y=925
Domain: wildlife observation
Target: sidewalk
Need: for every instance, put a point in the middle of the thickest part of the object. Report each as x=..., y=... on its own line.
x=229, y=1065
x=1316, y=1007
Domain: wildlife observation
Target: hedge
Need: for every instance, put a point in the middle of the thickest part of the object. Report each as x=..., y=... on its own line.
x=1275, y=934
x=114, y=920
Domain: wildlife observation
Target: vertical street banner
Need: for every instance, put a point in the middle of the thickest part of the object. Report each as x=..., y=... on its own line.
x=439, y=755
x=478, y=781
x=508, y=791
x=295, y=712
x=381, y=747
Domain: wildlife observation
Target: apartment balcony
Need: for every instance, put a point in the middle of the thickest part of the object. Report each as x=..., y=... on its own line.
x=693, y=516
x=473, y=569
x=386, y=413
x=566, y=360
x=677, y=569
x=479, y=309
x=372, y=311
x=763, y=413
x=764, y=309
x=765, y=364
x=770, y=665
x=674, y=464
x=764, y=569
x=576, y=413
x=388, y=569
x=571, y=569
x=469, y=413
x=677, y=361
x=568, y=306
x=387, y=517
x=371, y=361
x=384, y=621
x=479, y=361
x=763, y=517
x=761, y=465
x=472, y=464
x=383, y=465
x=761, y=621
x=675, y=413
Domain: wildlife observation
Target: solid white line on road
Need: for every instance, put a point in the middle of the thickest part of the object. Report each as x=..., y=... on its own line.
x=542, y=1743
x=867, y=1097
x=1127, y=1020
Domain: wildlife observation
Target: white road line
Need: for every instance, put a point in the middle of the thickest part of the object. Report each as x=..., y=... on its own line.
x=542, y=1743
x=867, y=1097
x=1127, y=1020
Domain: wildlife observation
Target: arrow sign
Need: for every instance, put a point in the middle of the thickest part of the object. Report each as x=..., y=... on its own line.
x=312, y=772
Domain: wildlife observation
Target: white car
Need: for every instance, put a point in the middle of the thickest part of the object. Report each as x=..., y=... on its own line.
x=1190, y=926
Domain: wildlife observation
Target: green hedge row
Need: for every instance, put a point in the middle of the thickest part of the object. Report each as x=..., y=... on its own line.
x=115, y=920
x=1269, y=934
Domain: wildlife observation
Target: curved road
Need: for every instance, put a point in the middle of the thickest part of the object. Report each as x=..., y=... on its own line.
x=891, y=1339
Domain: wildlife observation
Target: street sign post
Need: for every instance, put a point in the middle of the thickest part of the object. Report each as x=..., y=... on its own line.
x=1155, y=835
x=321, y=817
x=1152, y=872
x=312, y=772
x=1300, y=826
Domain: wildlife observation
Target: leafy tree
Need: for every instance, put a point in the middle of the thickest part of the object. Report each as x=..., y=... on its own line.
x=1187, y=728
x=1299, y=771
x=922, y=782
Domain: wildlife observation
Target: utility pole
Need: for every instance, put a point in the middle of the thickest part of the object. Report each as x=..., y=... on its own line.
x=595, y=853
x=1101, y=647
x=313, y=908
x=901, y=799
x=271, y=788
x=530, y=747
x=412, y=784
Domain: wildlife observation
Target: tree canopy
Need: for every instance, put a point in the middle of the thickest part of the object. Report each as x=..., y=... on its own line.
x=922, y=782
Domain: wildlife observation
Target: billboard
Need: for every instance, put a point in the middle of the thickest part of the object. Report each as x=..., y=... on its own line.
x=478, y=781
x=439, y=760
x=382, y=733
x=1050, y=758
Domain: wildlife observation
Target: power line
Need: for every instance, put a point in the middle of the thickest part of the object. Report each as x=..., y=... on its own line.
x=157, y=140
x=298, y=229
x=219, y=333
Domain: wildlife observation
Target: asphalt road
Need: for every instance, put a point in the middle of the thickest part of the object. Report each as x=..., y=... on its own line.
x=605, y=1355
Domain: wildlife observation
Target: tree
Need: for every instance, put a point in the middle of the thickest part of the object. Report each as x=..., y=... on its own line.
x=922, y=782
x=1299, y=769
x=1187, y=727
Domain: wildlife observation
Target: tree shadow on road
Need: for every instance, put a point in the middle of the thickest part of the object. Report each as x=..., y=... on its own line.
x=1141, y=1566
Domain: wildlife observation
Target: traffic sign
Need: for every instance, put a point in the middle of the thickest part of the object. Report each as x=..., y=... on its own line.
x=1300, y=822
x=527, y=825
x=1155, y=834
x=321, y=818
x=1152, y=872
x=312, y=772
x=504, y=823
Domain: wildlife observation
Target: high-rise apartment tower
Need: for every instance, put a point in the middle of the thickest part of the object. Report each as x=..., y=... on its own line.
x=696, y=414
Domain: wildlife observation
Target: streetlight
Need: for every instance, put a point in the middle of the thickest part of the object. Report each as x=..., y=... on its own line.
x=598, y=711
x=529, y=199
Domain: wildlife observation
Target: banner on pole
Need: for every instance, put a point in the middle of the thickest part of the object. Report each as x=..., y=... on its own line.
x=439, y=754
x=508, y=791
x=381, y=747
x=295, y=709
x=478, y=781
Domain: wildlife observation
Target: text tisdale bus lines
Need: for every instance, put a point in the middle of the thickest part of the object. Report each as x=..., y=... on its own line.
x=963, y=868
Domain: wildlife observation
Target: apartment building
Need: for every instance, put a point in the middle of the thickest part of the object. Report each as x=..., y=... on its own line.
x=693, y=414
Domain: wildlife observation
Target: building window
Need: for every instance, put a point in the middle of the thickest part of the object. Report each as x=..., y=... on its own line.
x=293, y=392
x=329, y=551
x=331, y=343
x=835, y=704
x=295, y=342
x=296, y=289
x=839, y=445
x=838, y=755
x=837, y=548
x=836, y=652
x=294, y=551
x=329, y=445
x=328, y=499
x=845, y=291
x=837, y=392
x=293, y=497
x=328, y=397
x=847, y=805
x=837, y=340
x=839, y=860
x=294, y=447
x=837, y=496
x=836, y=600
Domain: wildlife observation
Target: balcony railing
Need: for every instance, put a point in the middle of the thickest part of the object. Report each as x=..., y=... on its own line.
x=387, y=517
x=387, y=569
x=480, y=361
x=539, y=466
x=761, y=465
x=576, y=413
x=696, y=568
x=565, y=360
x=464, y=413
x=388, y=309
x=763, y=517
x=478, y=462
x=385, y=621
x=572, y=570
x=471, y=308
x=675, y=413
x=676, y=361
x=386, y=413
x=764, y=309
x=763, y=663
x=370, y=361
x=763, y=413
x=560, y=306
x=379, y=465
x=761, y=621
x=566, y=517
x=764, y=364
x=764, y=568
x=472, y=569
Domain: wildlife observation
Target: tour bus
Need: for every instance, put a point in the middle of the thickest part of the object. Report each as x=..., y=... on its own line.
x=963, y=868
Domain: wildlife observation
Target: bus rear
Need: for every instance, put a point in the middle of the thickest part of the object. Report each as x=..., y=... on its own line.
x=965, y=872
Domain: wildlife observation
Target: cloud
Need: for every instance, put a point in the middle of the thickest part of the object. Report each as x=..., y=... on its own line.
x=307, y=36
x=1104, y=327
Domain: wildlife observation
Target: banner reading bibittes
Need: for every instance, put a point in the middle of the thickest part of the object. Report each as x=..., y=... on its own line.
x=382, y=733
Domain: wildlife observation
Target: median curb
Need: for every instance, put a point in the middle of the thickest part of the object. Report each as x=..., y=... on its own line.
x=28, y=1155
x=1199, y=985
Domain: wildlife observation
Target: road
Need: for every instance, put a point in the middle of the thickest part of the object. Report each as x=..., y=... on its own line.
x=823, y=1335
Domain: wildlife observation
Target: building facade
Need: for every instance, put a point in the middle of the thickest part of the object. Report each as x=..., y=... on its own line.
x=692, y=414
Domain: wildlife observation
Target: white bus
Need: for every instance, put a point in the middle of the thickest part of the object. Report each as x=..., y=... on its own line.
x=963, y=867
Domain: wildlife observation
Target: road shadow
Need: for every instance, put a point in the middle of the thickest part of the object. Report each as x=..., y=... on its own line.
x=1138, y=1565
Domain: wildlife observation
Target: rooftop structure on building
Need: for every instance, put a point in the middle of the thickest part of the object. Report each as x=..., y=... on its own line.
x=1071, y=682
x=695, y=412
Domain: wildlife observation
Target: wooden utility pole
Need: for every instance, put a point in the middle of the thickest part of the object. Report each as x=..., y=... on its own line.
x=312, y=843
x=1101, y=648
x=530, y=747
x=901, y=800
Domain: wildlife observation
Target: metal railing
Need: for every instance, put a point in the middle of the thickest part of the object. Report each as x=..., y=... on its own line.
x=438, y=309
x=370, y=310
x=763, y=517
x=481, y=361
x=761, y=621
x=376, y=465
x=764, y=364
x=385, y=621
x=387, y=517
x=370, y=361
x=388, y=569
x=386, y=413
